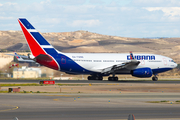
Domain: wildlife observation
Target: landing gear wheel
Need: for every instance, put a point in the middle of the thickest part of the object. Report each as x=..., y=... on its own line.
x=113, y=78
x=95, y=78
x=90, y=78
x=100, y=78
x=155, y=78
x=110, y=78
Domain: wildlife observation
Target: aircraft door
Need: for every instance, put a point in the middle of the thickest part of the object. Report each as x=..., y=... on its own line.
x=165, y=61
x=142, y=62
x=63, y=60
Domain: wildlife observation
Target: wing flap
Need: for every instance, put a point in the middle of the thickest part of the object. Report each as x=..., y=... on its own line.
x=117, y=67
x=128, y=65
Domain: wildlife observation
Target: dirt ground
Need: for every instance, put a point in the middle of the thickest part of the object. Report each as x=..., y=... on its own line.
x=104, y=88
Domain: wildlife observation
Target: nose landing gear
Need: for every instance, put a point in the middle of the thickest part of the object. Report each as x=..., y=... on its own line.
x=155, y=78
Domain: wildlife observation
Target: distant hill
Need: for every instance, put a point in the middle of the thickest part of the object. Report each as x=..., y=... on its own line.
x=84, y=41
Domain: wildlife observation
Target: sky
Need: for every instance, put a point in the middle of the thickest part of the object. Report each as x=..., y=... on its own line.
x=125, y=18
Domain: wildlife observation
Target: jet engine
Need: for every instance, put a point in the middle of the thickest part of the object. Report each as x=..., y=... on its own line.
x=142, y=72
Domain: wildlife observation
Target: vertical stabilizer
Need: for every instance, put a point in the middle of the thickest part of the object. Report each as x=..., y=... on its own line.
x=38, y=45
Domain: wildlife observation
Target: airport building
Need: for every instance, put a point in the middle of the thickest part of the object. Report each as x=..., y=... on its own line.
x=26, y=72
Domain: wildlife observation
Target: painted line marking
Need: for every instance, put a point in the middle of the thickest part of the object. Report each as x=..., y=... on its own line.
x=14, y=108
x=60, y=95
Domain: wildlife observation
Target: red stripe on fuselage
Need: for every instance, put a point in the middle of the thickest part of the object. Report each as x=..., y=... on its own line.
x=37, y=50
x=51, y=64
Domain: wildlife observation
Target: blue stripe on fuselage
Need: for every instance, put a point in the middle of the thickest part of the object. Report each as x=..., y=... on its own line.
x=66, y=64
x=160, y=70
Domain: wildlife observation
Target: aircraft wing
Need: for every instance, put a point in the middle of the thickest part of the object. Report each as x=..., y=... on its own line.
x=128, y=65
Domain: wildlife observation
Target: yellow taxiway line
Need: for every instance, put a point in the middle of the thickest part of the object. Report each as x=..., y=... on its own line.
x=14, y=108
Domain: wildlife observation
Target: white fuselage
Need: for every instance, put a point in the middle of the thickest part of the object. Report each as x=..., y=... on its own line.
x=98, y=61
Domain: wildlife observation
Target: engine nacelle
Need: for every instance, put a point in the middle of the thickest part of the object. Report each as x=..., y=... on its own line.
x=142, y=72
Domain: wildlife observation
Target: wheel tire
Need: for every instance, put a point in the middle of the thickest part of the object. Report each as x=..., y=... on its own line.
x=89, y=77
x=95, y=78
x=115, y=78
x=110, y=78
x=155, y=78
x=100, y=78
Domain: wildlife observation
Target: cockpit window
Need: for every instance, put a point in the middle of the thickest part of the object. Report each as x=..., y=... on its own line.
x=172, y=61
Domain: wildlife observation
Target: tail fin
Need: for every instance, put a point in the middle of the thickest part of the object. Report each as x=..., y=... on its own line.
x=131, y=55
x=37, y=44
x=16, y=55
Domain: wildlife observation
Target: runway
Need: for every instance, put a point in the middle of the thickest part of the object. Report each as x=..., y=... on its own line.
x=100, y=101
x=93, y=81
x=88, y=106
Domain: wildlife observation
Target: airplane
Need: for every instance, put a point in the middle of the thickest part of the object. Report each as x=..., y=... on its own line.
x=22, y=58
x=97, y=65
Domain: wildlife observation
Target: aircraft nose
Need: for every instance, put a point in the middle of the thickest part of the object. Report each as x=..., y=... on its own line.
x=176, y=65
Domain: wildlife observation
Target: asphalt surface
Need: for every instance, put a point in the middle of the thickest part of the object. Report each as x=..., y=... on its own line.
x=87, y=106
x=93, y=81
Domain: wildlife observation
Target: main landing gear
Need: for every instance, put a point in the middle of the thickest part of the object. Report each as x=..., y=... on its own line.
x=113, y=78
x=95, y=77
x=155, y=78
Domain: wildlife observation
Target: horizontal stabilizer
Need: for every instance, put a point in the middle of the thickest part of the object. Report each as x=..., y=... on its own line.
x=19, y=56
